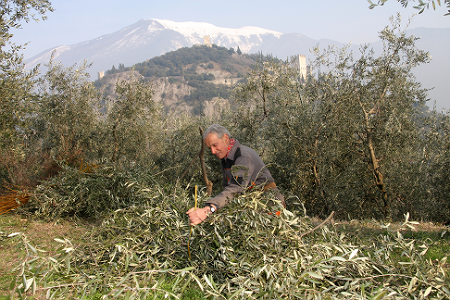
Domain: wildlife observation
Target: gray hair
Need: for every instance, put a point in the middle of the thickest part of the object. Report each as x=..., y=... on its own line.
x=217, y=129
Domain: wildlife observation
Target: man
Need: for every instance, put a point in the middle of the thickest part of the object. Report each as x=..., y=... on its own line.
x=242, y=169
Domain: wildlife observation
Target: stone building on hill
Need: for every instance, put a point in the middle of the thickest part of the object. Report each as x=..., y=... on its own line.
x=298, y=62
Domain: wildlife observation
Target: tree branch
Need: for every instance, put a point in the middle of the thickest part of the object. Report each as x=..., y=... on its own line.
x=318, y=226
x=208, y=183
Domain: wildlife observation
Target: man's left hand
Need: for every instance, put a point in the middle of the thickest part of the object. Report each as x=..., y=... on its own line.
x=198, y=215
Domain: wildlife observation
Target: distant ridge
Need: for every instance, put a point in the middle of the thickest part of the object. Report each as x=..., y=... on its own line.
x=150, y=38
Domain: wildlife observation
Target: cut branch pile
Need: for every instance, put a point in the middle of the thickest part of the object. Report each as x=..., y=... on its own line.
x=243, y=251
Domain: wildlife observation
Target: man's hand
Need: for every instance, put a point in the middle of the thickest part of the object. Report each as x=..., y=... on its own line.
x=198, y=215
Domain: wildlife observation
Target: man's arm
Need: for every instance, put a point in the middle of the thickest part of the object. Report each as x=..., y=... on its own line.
x=241, y=173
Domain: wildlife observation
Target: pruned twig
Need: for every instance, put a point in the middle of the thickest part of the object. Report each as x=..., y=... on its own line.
x=192, y=162
x=318, y=226
x=208, y=183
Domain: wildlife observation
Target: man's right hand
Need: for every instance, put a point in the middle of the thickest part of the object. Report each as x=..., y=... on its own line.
x=198, y=215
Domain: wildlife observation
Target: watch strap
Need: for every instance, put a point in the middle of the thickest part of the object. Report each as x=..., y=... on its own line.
x=212, y=207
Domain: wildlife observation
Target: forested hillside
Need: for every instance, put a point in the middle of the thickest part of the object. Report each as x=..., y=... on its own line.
x=198, y=79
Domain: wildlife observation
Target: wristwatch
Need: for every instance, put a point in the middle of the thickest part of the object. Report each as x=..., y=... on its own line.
x=212, y=207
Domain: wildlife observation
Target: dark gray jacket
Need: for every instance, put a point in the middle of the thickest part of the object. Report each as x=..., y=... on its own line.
x=242, y=169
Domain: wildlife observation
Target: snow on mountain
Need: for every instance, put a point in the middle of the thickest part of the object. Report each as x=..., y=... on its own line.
x=148, y=38
x=197, y=30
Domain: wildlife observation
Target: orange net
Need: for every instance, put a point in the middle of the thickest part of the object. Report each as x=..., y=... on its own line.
x=12, y=201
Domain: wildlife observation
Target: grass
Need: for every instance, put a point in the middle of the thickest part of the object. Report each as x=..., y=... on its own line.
x=438, y=239
x=39, y=231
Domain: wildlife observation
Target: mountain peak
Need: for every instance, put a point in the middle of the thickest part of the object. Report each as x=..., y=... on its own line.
x=149, y=38
x=203, y=29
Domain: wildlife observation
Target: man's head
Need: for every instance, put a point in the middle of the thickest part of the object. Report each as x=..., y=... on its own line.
x=217, y=138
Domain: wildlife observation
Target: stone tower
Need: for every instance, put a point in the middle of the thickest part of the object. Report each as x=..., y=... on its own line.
x=298, y=62
x=206, y=41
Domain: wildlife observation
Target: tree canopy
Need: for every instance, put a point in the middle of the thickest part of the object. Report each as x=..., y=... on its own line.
x=421, y=6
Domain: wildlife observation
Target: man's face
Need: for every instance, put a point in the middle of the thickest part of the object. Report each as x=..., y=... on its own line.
x=219, y=147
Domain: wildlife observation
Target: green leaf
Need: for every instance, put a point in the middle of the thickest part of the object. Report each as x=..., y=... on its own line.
x=116, y=294
x=28, y=284
x=14, y=234
x=237, y=293
x=353, y=254
x=32, y=248
x=12, y=285
x=24, y=281
x=34, y=287
x=380, y=295
x=210, y=281
x=314, y=275
x=337, y=258
x=427, y=291
x=187, y=269
x=200, y=285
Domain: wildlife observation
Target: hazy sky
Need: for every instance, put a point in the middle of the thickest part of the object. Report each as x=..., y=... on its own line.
x=345, y=21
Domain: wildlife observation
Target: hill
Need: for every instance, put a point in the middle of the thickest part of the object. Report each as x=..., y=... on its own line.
x=198, y=79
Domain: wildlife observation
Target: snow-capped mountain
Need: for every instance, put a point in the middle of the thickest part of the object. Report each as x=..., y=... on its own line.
x=149, y=38
x=195, y=31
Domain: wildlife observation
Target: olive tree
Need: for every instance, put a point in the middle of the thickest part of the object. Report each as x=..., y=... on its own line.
x=131, y=123
x=276, y=119
x=436, y=163
x=370, y=105
x=347, y=140
x=65, y=117
x=16, y=86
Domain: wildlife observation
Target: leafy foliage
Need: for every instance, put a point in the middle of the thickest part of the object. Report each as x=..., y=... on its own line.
x=131, y=118
x=349, y=140
x=243, y=251
x=16, y=85
x=64, y=113
x=16, y=90
x=436, y=156
x=86, y=194
x=421, y=6
x=174, y=63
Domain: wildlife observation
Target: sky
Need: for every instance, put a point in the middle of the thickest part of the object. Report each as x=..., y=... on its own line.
x=345, y=21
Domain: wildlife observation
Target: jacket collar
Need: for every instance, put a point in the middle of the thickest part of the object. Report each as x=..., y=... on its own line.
x=233, y=150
